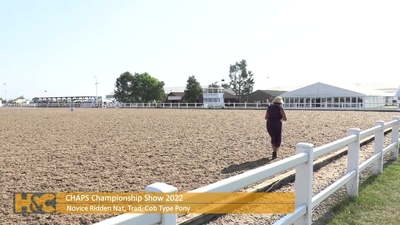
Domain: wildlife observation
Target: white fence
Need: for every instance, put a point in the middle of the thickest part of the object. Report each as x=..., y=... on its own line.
x=315, y=106
x=299, y=106
x=62, y=105
x=308, y=106
x=303, y=163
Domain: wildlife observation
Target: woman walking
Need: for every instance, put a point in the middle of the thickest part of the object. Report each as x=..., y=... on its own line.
x=274, y=116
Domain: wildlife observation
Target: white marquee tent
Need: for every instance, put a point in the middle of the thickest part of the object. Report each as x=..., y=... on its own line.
x=397, y=93
x=324, y=95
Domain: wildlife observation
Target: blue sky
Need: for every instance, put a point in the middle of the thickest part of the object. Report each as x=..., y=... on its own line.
x=59, y=46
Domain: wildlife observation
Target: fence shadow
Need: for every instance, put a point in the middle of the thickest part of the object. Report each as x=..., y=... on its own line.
x=328, y=216
x=245, y=166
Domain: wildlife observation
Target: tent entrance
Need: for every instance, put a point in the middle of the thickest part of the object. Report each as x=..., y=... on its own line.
x=317, y=102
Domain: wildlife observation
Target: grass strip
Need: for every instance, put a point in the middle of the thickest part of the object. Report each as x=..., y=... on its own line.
x=378, y=201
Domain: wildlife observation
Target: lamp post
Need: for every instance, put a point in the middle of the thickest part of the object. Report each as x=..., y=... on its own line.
x=223, y=92
x=5, y=92
x=47, y=99
x=96, y=83
x=268, y=79
x=222, y=82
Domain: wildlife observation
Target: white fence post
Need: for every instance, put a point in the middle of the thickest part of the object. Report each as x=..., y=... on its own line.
x=379, y=136
x=395, y=138
x=353, y=160
x=167, y=219
x=304, y=183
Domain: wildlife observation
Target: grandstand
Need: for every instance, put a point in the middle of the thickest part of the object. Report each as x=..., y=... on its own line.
x=65, y=99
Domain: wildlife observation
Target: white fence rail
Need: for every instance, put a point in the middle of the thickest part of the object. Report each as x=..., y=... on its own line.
x=303, y=162
x=308, y=106
x=61, y=105
x=338, y=106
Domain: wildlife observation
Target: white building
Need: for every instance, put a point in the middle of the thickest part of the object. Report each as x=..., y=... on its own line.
x=213, y=97
x=397, y=93
x=110, y=96
x=22, y=101
x=324, y=95
x=396, y=97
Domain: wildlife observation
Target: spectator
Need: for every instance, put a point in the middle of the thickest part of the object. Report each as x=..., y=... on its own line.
x=274, y=116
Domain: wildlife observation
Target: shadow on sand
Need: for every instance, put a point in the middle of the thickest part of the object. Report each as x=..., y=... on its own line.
x=245, y=166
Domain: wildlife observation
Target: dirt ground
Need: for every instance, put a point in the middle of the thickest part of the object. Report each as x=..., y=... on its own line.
x=124, y=150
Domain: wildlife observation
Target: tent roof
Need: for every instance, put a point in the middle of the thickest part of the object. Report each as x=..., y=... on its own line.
x=230, y=91
x=273, y=92
x=397, y=93
x=386, y=87
x=325, y=90
x=286, y=88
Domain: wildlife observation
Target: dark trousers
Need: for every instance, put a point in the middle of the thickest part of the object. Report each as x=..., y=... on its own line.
x=274, y=128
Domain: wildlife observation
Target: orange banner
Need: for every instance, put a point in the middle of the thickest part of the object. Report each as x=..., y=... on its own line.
x=179, y=197
x=174, y=208
x=150, y=202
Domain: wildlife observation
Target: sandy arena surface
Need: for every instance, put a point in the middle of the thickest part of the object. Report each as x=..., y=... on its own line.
x=124, y=150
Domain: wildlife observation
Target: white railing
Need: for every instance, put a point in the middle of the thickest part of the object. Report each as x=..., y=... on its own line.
x=312, y=106
x=58, y=105
x=234, y=105
x=298, y=106
x=303, y=163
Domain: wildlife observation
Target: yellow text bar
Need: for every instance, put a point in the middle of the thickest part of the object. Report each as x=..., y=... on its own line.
x=150, y=202
x=175, y=208
x=179, y=197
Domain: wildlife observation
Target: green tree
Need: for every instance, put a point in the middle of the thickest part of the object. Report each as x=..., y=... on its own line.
x=140, y=87
x=193, y=90
x=224, y=85
x=21, y=97
x=123, y=88
x=242, y=81
x=214, y=85
x=146, y=88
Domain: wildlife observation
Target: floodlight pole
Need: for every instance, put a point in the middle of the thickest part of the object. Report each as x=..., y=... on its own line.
x=5, y=92
x=96, y=83
x=47, y=100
